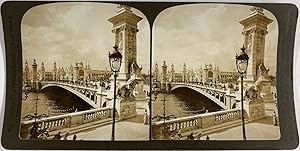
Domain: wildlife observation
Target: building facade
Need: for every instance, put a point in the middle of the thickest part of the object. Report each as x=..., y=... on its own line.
x=77, y=73
x=207, y=74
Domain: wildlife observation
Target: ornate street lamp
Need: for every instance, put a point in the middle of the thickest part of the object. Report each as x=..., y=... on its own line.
x=36, y=131
x=26, y=89
x=163, y=117
x=155, y=91
x=115, y=60
x=241, y=65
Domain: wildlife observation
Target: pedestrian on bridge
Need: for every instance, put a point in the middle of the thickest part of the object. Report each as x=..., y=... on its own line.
x=57, y=136
x=275, y=122
x=199, y=136
x=145, y=117
x=66, y=136
x=74, y=137
x=190, y=137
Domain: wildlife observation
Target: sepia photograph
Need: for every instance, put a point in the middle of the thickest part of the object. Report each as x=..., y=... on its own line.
x=86, y=69
x=149, y=75
x=214, y=73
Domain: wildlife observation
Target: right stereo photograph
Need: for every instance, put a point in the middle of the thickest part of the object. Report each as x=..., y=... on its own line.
x=214, y=73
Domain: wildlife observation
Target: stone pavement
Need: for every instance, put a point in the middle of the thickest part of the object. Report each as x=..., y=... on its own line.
x=254, y=131
x=130, y=130
x=259, y=130
x=133, y=129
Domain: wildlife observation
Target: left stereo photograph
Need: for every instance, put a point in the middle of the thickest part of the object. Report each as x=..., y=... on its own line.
x=85, y=72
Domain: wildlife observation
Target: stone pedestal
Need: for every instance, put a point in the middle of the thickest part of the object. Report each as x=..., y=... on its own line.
x=126, y=110
x=267, y=97
x=266, y=93
x=139, y=92
x=255, y=110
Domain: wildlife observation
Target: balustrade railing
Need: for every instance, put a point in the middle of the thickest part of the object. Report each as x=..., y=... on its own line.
x=74, y=85
x=67, y=120
x=203, y=86
x=195, y=122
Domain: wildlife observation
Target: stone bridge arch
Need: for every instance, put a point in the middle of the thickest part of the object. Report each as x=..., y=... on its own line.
x=73, y=91
x=209, y=94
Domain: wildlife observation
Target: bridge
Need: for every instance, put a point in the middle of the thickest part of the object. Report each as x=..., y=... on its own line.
x=91, y=94
x=76, y=122
x=218, y=94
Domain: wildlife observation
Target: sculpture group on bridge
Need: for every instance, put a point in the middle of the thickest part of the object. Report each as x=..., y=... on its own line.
x=125, y=90
x=252, y=93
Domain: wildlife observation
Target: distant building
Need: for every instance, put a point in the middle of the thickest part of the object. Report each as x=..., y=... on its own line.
x=208, y=74
x=77, y=73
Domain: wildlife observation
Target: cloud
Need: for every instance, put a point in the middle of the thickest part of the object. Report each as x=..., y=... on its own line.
x=75, y=31
x=200, y=34
x=196, y=34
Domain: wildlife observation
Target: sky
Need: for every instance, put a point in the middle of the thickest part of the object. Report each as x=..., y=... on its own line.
x=195, y=34
x=199, y=34
x=76, y=32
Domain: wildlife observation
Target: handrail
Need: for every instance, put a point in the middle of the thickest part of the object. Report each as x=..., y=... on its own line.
x=193, y=123
x=194, y=116
x=65, y=121
x=66, y=115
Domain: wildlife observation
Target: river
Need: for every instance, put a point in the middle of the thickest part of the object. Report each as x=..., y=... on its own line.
x=52, y=101
x=182, y=102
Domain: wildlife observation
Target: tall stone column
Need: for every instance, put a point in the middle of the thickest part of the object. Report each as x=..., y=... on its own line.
x=34, y=75
x=42, y=73
x=26, y=72
x=164, y=77
x=34, y=71
x=254, y=32
x=54, y=72
x=184, y=74
x=156, y=76
x=125, y=30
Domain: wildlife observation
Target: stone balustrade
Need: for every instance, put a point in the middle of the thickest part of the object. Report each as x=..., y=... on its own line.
x=217, y=89
x=72, y=85
x=195, y=122
x=67, y=120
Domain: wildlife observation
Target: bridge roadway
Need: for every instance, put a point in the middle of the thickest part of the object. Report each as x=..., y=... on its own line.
x=128, y=130
x=217, y=94
x=259, y=130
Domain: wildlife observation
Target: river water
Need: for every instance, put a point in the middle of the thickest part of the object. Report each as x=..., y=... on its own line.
x=182, y=102
x=52, y=101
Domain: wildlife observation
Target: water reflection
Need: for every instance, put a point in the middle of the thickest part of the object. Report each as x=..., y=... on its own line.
x=52, y=101
x=183, y=102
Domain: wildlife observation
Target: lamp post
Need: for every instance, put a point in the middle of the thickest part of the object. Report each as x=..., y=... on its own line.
x=241, y=65
x=115, y=60
x=163, y=117
x=26, y=89
x=36, y=131
x=154, y=92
